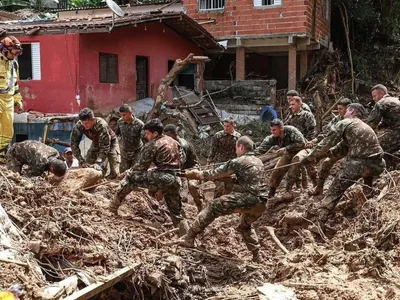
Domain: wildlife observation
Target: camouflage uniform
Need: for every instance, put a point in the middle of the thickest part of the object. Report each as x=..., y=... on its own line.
x=293, y=141
x=305, y=107
x=104, y=144
x=386, y=116
x=191, y=161
x=223, y=148
x=304, y=121
x=164, y=153
x=328, y=162
x=131, y=142
x=32, y=153
x=250, y=202
x=363, y=160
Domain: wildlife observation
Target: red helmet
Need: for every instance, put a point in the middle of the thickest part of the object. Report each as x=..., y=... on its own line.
x=11, y=44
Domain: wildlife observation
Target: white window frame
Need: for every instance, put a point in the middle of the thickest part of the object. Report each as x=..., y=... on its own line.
x=259, y=3
x=36, y=61
x=210, y=5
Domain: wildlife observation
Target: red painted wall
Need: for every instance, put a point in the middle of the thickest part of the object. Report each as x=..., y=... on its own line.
x=154, y=40
x=240, y=17
x=55, y=92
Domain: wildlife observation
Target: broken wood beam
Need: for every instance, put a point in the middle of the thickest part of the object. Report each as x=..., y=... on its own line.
x=98, y=287
x=15, y=262
x=33, y=31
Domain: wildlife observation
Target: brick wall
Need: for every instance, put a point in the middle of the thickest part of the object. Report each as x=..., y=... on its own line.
x=240, y=17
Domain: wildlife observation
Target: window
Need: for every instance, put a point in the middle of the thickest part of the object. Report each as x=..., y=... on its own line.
x=108, y=68
x=211, y=4
x=258, y=3
x=29, y=62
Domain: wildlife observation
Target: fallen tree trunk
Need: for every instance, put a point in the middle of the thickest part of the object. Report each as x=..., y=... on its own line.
x=179, y=66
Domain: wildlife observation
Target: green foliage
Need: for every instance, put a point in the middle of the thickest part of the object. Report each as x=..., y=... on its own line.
x=86, y=3
x=259, y=129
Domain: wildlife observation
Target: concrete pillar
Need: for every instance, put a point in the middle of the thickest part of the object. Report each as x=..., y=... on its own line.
x=240, y=63
x=292, y=67
x=303, y=63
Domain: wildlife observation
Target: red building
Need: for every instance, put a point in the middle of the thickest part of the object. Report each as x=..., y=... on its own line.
x=88, y=58
x=265, y=38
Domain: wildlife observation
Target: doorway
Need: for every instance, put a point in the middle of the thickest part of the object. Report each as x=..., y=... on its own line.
x=142, y=64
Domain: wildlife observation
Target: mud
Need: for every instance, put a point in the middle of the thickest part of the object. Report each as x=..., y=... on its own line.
x=355, y=255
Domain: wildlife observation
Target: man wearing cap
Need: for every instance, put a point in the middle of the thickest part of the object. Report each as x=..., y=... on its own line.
x=130, y=131
x=70, y=160
x=10, y=97
x=38, y=156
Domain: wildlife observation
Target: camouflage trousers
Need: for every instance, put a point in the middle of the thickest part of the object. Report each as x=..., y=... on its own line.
x=223, y=186
x=128, y=159
x=13, y=163
x=352, y=170
x=327, y=165
x=168, y=183
x=295, y=171
x=113, y=156
x=390, y=143
x=249, y=206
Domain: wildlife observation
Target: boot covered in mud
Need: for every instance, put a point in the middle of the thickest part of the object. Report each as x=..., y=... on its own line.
x=183, y=227
x=188, y=239
x=115, y=204
x=326, y=208
x=257, y=258
x=319, y=188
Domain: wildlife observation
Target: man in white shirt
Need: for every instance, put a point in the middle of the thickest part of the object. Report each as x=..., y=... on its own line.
x=70, y=160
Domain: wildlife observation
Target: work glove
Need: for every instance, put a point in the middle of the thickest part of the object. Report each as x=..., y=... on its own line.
x=193, y=174
x=281, y=151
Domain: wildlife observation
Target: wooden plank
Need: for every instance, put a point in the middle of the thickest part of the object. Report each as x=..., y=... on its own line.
x=98, y=287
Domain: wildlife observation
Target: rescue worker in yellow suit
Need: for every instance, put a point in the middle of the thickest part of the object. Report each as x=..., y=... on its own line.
x=13, y=293
x=10, y=97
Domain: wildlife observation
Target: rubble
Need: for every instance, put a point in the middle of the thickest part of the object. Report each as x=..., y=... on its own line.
x=68, y=232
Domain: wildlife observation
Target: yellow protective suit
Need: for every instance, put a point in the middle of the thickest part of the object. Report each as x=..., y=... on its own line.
x=9, y=96
x=4, y=295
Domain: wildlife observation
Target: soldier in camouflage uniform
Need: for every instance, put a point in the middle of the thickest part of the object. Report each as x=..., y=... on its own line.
x=38, y=156
x=104, y=142
x=289, y=141
x=190, y=161
x=223, y=149
x=385, y=117
x=164, y=153
x=364, y=156
x=293, y=93
x=328, y=162
x=130, y=131
x=249, y=202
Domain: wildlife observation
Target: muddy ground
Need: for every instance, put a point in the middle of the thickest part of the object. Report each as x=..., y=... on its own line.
x=356, y=256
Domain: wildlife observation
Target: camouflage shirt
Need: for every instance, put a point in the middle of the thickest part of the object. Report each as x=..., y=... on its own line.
x=356, y=138
x=101, y=136
x=223, y=146
x=303, y=121
x=386, y=113
x=35, y=154
x=249, y=171
x=305, y=107
x=292, y=140
x=190, y=157
x=329, y=128
x=163, y=152
x=131, y=136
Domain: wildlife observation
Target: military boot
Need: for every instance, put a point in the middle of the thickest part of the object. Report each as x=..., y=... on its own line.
x=115, y=204
x=319, y=187
x=188, y=239
x=257, y=256
x=183, y=227
x=271, y=192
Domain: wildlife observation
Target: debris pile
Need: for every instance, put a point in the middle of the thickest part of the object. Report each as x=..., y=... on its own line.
x=68, y=232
